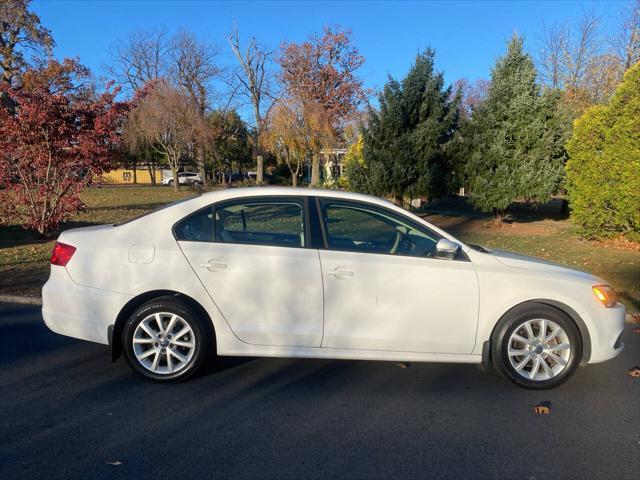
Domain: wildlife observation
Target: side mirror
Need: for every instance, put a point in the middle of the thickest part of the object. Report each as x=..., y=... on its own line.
x=447, y=249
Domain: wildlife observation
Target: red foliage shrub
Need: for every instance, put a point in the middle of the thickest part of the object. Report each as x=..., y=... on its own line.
x=56, y=136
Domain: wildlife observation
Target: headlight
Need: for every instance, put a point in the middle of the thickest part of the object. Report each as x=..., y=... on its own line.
x=606, y=295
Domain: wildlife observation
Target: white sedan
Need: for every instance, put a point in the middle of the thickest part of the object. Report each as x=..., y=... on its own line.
x=184, y=178
x=283, y=272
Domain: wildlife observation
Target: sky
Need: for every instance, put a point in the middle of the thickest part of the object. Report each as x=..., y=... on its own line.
x=467, y=36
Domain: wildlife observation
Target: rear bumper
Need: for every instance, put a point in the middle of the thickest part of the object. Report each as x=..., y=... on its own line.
x=606, y=326
x=76, y=311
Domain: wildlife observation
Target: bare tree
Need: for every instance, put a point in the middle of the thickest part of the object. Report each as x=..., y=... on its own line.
x=167, y=121
x=551, y=58
x=472, y=94
x=20, y=31
x=138, y=58
x=581, y=47
x=627, y=41
x=255, y=78
x=193, y=68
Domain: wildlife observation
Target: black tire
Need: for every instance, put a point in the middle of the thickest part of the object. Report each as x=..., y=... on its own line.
x=515, y=319
x=202, y=339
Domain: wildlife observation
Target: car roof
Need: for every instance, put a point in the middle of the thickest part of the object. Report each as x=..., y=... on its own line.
x=247, y=192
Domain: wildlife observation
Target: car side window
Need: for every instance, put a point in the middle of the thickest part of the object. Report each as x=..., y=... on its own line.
x=197, y=227
x=357, y=227
x=276, y=223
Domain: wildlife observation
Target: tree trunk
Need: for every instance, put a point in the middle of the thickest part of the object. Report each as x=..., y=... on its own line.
x=201, y=165
x=294, y=178
x=135, y=175
x=315, y=170
x=259, y=169
x=176, y=184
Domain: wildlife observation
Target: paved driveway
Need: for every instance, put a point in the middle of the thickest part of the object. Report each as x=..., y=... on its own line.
x=66, y=411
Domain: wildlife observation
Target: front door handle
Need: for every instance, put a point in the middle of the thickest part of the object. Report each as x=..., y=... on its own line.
x=341, y=273
x=213, y=266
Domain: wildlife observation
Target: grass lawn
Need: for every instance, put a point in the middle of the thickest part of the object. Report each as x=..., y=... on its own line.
x=24, y=259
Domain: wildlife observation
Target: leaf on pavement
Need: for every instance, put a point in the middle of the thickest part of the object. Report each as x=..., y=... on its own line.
x=636, y=330
x=634, y=372
x=635, y=318
x=114, y=462
x=404, y=365
x=543, y=408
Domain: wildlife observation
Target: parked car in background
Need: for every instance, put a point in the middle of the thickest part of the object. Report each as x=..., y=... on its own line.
x=284, y=272
x=184, y=178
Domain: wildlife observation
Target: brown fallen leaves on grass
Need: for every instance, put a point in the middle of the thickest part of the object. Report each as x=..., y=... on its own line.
x=543, y=408
x=634, y=372
x=635, y=318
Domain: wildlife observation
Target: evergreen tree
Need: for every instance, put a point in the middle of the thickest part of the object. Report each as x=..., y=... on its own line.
x=603, y=171
x=515, y=137
x=405, y=141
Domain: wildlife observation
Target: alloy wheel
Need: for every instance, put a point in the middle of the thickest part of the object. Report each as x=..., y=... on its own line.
x=539, y=349
x=164, y=343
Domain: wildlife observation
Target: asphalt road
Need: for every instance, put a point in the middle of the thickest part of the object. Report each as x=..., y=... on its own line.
x=66, y=411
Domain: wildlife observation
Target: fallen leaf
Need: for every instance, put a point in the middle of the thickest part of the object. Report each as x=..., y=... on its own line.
x=635, y=318
x=114, y=462
x=636, y=330
x=404, y=365
x=543, y=408
x=634, y=372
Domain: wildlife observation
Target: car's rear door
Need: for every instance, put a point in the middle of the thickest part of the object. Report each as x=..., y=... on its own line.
x=383, y=288
x=254, y=257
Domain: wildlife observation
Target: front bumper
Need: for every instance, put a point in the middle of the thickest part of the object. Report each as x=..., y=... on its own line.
x=77, y=311
x=606, y=326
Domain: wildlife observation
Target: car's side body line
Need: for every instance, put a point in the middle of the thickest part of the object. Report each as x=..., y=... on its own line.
x=349, y=354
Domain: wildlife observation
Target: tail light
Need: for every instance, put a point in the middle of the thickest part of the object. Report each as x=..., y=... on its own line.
x=61, y=254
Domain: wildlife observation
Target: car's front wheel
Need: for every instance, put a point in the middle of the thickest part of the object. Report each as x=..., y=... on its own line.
x=536, y=346
x=164, y=340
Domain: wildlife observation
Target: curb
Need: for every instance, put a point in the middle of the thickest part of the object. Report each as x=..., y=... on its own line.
x=20, y=299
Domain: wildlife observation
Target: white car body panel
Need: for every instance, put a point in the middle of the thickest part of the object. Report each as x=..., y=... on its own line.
x=362, y=310
x=268, y=295
x=113, y=265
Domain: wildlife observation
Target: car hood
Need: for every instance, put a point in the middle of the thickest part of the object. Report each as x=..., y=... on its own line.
x=526, y=262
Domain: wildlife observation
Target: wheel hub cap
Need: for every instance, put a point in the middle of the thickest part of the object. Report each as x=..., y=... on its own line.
x=164, y=343
x=539, y=349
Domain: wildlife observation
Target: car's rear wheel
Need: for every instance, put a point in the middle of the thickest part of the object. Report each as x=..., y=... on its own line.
x=164, y=340
x=536, y=346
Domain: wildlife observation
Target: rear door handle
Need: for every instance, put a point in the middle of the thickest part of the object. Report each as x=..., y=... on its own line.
x=341, y=273
x=213, y=266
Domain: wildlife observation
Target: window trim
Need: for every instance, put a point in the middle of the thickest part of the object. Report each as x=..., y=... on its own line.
x=303, y=200
x=323, y=201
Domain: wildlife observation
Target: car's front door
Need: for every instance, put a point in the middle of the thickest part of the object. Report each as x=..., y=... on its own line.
x=385, y=290
x=252, y=256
